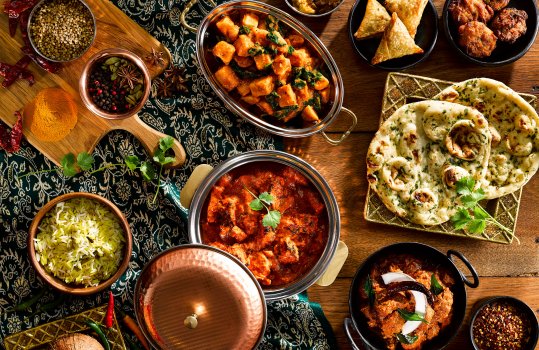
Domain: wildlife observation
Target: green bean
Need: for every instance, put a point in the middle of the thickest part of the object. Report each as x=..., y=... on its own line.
x=95, y=327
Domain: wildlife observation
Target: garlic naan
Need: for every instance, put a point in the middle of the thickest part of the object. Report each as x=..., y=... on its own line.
x=420, y=152
x=514, y=124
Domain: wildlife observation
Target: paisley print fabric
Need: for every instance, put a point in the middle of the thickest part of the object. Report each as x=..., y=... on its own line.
x=209, y=134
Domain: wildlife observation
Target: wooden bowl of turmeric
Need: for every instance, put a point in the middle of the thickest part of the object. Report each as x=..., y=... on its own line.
x=115, y=84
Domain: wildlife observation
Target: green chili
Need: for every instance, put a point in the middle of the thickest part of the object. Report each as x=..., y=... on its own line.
x=95, y=327
x=28, y=302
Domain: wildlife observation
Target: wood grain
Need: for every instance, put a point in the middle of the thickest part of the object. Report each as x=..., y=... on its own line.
x=114, y=29
x=344, y=168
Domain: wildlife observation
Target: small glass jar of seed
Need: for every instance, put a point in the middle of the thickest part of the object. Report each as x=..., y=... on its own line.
x=61, y=30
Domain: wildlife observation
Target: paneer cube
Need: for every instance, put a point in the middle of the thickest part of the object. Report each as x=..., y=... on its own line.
x=262, y=86
x=321, y=83
x=224, y=51
x=281, y=67
x=309, y=114
x=276, y=38
x=250, y=99
x=227, y=78
x=296, y=40
x=324, y=95
x=265, y=107
x=262, y=61
x=289, y=116
x=227, y=27
x=242, y=45
x=243, y=88
x=261, y=36
x=287, y=97
x=249, y=20
x=301, y=58
x=243, y=62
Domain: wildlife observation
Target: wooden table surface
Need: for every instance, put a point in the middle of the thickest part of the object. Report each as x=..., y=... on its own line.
x=504, y=269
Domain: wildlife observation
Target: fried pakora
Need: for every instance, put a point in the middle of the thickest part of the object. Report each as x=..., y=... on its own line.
x=464, y=11
x=477, y=39
x=509, y=24
x=497, y=5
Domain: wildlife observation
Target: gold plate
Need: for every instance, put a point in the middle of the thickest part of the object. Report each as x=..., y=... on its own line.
x=401, y=89
x=42, y=335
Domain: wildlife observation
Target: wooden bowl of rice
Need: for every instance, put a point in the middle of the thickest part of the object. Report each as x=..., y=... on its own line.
x=79, y=243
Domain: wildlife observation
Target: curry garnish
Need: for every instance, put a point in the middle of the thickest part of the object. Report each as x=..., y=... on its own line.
x=435, y=286
x=367, y=287
x=406, y=338
x=411, y=316
x=263, y=200
x=471, y=216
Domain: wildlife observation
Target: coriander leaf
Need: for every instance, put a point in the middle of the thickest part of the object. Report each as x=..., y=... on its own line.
x=480, y=213
x=435, y=286
x=367, y=287
x=266, y=198
x=85, y=161
x=411, y=316
x=132, y=162
x=68, y=165
x=158, y=157
x=406, y=338
x=271, y=219
x=166, y=143
x=245, y=30
x=168, y=160
x=465, y=185
x=256, y=204
x=477, y=226
x=148, y=171
x=461, y=218
x=291, y=49
x=471, y=200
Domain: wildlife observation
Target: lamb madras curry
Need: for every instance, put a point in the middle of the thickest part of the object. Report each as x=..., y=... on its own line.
x=277, y=255
x=391, y=297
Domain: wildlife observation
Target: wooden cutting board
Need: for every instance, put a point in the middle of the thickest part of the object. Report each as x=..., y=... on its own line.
x=114, y=30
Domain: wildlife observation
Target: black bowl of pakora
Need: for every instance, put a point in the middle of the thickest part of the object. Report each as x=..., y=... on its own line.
x=393, y=34
x=490, y=32
x=409, y=295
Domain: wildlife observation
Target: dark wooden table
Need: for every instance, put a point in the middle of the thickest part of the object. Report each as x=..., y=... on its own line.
x=504, y=269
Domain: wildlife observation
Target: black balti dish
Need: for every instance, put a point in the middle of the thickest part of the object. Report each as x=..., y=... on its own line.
x=504, y=53
x=426, y=36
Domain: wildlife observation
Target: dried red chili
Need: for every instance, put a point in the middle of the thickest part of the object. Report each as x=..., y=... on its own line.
x=14, y=9
x=12, y=73
x=501, y=325
x=397, y=287
x=11, y=141
x=51, y=67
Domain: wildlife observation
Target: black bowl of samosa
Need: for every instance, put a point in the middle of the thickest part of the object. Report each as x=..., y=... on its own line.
x=409, y=295
x=393, y=34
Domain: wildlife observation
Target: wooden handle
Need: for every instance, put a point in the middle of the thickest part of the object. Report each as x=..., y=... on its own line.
x=335, y=266
x=149, y=138
x=193, y=182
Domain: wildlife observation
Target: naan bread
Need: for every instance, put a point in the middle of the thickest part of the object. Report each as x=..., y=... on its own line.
x=514, y=124
x=374, y=22
x=395, y=43
x=420, y=152
x=409, y=11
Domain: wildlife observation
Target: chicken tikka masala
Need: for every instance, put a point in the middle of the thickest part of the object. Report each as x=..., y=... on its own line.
x=277, y=252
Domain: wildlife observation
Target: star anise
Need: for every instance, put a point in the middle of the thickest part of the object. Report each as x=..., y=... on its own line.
x=155, y=58
x=176, y=76
x=129, y=74
x=164, y=88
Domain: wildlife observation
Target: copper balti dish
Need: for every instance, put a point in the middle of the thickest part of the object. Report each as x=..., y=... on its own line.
x=208, y=64
x=256, y=159
x=199, y=297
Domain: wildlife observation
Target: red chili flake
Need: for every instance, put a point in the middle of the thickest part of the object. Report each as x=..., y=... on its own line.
x=11, y=141
x=501, y=326
x=12, y=73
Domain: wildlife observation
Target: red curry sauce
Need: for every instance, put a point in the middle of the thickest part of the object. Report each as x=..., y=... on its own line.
x=275, y=256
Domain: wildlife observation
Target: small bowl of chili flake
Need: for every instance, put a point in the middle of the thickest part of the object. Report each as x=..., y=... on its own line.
x=504, y=323
x=115, y=84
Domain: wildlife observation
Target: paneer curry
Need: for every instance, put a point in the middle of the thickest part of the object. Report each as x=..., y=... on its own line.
x=407, y=301
x=277, y=255
x=270, y=69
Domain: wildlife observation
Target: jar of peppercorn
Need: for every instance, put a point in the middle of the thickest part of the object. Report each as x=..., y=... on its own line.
x=115, y=84
x=504, y=323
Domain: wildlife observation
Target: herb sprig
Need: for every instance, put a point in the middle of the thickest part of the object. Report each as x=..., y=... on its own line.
x=471, y=216
x=71, y=165
x=411, y=316
x=369, y=290
x=406, y=338
x=435, y=286
x=264, y=200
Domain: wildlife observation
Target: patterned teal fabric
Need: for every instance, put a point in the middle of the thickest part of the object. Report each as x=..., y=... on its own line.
x=209, y=134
